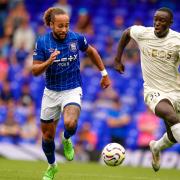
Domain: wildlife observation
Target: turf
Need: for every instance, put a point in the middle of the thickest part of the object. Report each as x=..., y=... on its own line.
x=27, y=170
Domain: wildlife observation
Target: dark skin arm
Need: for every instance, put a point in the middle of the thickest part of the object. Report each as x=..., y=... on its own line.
x=97, y=61
x=118, y=65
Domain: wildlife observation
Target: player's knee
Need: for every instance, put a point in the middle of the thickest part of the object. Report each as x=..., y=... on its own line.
x=171, y=119
x=48, y=136
x=71, y=124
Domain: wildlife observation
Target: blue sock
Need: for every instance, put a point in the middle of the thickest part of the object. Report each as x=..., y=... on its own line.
x=69, y=133
x=49, y=149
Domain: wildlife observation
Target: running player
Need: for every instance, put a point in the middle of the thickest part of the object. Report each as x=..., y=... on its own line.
x=160, y=58
x=57, y=54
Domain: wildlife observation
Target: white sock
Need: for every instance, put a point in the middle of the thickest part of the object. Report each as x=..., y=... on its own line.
x=176, y=132
x=163, y=143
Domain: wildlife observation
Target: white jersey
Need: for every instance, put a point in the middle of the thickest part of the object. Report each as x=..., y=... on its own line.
x=160, y=58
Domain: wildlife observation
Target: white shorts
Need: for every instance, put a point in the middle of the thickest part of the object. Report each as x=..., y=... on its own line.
x=53, y=102
x=153, y=97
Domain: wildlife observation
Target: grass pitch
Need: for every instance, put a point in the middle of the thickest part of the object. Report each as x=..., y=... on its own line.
x=27, y=170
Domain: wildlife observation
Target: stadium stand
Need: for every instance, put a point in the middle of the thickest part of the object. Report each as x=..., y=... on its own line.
x=15, y=62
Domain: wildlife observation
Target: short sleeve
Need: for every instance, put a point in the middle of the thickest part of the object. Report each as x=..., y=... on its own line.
x=83, y=44
x=39, y=51
x=136, y=31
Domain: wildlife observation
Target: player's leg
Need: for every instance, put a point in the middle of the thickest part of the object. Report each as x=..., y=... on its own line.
x=50, y=112
x=161, y=105
x=157, y=146
x=164, y=110
x=168, y=139
x=164, y=142
x=48, y=129
x=48, y=133
x=71, y=111
x=48, y=145
x=71, y=115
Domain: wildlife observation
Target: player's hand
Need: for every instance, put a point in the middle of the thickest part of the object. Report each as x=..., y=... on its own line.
x=53, y=56
x=105, y=82
x=118, y=66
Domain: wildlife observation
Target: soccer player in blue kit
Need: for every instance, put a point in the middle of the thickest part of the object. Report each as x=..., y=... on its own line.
x=57, y=54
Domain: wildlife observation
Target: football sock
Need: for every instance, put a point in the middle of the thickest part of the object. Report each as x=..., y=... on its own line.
x=69, y=133
x=163, y=143
x=176, y=132
x=49, y=150
x=53, y=164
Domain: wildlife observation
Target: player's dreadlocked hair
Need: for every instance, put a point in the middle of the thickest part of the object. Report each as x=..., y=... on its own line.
x=165, y=9
x=50, y=14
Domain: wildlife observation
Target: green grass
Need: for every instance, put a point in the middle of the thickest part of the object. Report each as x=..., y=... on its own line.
x=25, y=170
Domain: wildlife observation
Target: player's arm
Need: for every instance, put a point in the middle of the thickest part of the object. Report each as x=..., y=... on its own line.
x=97, y=61
x=125, y=38
x=40, y=67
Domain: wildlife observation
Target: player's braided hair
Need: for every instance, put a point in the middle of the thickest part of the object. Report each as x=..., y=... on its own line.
x=50, y=14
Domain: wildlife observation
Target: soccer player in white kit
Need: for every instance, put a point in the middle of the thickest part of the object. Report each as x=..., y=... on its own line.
x=160, y=58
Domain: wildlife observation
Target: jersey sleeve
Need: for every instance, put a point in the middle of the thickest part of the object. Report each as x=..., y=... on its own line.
x=137, y=31
x=39, y=50
x=83, y=44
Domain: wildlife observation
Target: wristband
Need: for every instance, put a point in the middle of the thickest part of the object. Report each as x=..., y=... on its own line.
x=104, y=72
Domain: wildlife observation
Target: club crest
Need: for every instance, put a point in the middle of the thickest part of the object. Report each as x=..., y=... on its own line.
x=73, y=46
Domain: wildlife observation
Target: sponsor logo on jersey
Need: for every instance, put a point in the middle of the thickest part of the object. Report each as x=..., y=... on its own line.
x=159, y=54
x=67, y=59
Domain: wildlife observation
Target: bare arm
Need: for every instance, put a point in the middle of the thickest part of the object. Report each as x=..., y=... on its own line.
x=95, y=57
x=96, y=60
x=122, y=44
x=40, y=67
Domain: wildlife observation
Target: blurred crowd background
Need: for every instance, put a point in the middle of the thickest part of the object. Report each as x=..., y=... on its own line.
x=117, y=114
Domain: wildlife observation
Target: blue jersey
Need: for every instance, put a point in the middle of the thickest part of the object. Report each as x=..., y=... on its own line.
x=64, y=72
